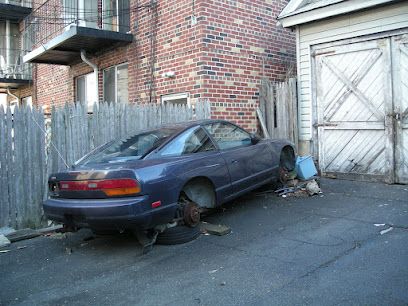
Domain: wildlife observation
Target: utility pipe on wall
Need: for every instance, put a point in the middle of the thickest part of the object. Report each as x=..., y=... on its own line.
x=95, y=69
x=13, y=95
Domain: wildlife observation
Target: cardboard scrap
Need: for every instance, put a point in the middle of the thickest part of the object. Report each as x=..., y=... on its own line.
x=215, y=229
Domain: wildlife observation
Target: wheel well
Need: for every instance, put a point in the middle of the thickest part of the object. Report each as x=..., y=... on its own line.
x=201, y=191
x=287, y=158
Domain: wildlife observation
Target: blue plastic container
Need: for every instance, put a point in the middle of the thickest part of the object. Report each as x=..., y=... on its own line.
x=305, y=167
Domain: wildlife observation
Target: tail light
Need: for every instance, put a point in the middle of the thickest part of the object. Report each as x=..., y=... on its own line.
x=112, y=187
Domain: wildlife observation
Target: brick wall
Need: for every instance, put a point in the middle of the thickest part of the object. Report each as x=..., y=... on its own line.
x=223, y=57
x=242, y=45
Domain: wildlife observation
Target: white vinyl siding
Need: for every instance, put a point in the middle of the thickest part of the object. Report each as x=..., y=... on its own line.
x=355, y=25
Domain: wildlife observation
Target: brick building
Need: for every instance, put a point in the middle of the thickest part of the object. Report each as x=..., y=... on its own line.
x=165, y=51
x=15, y=76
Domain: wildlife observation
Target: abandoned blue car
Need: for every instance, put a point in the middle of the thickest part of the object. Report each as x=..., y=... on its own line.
x=164, y=177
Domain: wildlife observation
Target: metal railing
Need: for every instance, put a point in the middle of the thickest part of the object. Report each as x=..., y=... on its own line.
x=12, y=65
x=54, y=17
x=25, y=3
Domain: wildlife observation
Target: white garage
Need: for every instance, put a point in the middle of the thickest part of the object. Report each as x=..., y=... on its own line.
x=353, y=85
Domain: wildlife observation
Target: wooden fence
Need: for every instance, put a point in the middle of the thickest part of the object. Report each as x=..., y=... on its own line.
x=278, y=105
x=32, y=146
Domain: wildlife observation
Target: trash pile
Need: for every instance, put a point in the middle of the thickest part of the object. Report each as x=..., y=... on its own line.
x=300, y=189
x=302, y=181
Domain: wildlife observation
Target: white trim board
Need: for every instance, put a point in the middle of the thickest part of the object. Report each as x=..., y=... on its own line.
x=323, y=12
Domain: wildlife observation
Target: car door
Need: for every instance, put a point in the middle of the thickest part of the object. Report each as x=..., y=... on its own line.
x=195, y=155
x=248, y=163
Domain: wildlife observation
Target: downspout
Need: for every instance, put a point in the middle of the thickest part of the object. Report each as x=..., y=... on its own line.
x=14, y=96
x=95, y=69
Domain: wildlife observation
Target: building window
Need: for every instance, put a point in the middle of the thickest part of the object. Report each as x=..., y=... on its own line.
x=81, y=12
x=115, y=84
x=86, y=90
x=10, y=65
x=27, y=101
x=179, y=98
x=116, y=15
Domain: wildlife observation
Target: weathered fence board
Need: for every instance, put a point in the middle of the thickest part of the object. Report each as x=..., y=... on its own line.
x=28, y=155
x=278, y=104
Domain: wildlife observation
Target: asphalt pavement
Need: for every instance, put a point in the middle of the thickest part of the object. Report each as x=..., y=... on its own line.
x=347, y=246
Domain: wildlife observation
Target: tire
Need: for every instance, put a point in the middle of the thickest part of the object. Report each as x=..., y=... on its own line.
x=178, y=235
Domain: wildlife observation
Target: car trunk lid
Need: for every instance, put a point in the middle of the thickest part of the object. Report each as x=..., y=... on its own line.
x=93, y=184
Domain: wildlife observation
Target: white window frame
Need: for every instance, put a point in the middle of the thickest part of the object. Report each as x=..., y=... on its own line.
x=27, y=101
x=177, y=96
x=117, y=15
x=117, y=12
x=116, y=80
x=80, y=19
x=90, y=106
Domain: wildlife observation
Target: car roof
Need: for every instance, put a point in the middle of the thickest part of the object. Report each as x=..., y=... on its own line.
x=191, y=123
x=179, y=127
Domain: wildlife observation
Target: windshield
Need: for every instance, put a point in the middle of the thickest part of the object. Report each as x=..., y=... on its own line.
x=130, y=148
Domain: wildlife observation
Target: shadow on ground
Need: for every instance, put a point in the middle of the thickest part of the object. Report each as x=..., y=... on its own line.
x=320, y=250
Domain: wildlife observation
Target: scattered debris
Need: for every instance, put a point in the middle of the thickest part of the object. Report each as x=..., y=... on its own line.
x=6, y=230
x=50, y=229
x=68, y=251
x=23, y=234
x=212, y=271
x=292, y=183
x=283, y=191
x=215, y=229
x=56, y=235
x=386, y=230
x=287, y=176
x=4, y=242
x=312, y=188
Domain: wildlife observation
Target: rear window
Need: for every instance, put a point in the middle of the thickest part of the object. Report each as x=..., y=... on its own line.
x=131, y=148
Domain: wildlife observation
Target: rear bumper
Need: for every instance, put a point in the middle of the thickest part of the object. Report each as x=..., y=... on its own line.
x=112, y=214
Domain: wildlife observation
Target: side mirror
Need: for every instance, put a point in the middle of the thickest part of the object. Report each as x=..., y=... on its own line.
x=255, y=138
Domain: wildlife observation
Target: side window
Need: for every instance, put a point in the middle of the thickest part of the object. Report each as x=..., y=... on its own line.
x=228, y=136
x=193, y=140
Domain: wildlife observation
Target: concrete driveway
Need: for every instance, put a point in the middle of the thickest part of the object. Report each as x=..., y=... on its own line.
x=282, y=251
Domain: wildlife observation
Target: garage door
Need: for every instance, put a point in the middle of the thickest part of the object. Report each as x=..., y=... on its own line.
x=358, y=118
x=400, y=73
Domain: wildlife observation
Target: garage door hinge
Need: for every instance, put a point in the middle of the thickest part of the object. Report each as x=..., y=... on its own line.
x=324, y=124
